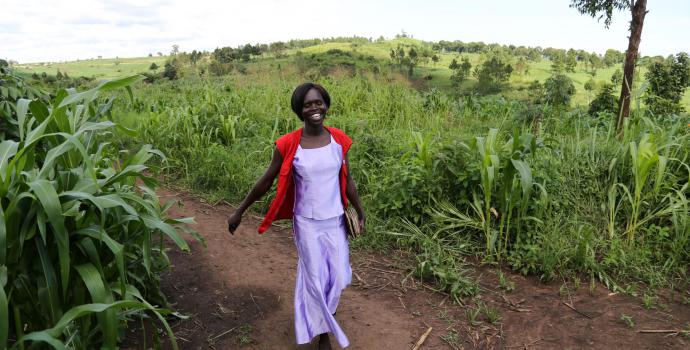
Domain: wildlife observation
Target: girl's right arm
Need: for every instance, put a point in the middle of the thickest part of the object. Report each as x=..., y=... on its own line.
x=260, y=188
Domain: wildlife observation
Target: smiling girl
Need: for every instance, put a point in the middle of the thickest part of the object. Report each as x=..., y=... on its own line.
x=314, y=186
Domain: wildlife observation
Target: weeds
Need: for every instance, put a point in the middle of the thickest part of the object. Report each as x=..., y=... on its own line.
x=649, y=300
x=472, y=315
x=627, y=320
x=493, y=315
x=243, y=336
x=467, y=174
x=504, y=283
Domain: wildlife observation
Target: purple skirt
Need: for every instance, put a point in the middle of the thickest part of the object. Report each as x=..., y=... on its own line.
x=323, y=271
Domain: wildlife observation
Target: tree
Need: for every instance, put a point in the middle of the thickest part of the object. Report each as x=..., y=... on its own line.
x=667, y=83
x=594, y=63
x=153, y=67
x=570, y=61
x=412, y=61
x=277, y=48
x=397, y=55
x=522, y=66
x=454, y=64
x=604, y=9
x=605, y=101
x=435, y=59
x=558, y=62
x=171, y=69
x=194, y=57
x=492, y=75
x=558, y=90
x=589, y=87
x=175, y=50
x=617, y=77
x=465, y=67
x=612, y=57
x=460, y=71
x=408, y=59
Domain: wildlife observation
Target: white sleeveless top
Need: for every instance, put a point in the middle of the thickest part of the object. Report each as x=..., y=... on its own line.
x=317, y=181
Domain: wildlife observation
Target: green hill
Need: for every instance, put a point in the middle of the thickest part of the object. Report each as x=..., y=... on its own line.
x=428, y=74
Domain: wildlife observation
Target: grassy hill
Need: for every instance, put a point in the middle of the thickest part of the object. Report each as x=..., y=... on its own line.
x=434, y=75
x=106, y=68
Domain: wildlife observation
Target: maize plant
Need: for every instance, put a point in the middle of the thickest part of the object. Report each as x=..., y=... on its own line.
x=506, y=187
x=80, y=239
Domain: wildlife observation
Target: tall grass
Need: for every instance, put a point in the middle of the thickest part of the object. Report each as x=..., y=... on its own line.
x=559, y=199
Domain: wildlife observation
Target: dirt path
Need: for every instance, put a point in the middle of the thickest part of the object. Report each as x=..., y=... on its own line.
x=239, y=292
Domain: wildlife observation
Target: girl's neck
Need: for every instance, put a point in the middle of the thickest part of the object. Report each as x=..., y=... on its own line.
x=313, y=130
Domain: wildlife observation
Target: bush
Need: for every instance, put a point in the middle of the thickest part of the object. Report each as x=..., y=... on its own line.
x=172, y=69
x=667, y=83
x=558, y=90
x=492, y=75
x=605, y=101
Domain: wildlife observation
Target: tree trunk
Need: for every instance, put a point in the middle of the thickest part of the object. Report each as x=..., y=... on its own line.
x=639, y=10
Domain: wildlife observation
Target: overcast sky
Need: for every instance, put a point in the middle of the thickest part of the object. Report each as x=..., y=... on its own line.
x=55, y=30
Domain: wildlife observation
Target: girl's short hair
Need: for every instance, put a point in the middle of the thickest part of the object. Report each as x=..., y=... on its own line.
x=301, y=92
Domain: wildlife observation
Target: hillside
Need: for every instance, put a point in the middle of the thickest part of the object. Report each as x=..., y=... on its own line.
x=433, y=74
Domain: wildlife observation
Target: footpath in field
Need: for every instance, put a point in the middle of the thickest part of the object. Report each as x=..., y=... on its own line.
x=238, y=293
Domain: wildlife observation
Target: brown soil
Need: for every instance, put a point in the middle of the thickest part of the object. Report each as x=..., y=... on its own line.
x=238, y=293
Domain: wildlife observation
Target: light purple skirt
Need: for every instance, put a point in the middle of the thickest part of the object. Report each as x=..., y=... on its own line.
x=323, y=271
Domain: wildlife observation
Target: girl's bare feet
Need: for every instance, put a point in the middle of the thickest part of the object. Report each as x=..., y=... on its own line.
x=324, y=342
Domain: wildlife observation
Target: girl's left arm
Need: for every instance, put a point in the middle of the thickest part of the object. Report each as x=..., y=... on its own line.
x=353, y=196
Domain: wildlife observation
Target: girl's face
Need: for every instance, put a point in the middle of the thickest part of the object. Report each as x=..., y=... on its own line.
x=314, y=108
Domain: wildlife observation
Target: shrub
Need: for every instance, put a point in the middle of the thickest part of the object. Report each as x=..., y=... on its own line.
x=605, y=101
x=667, y=83
x=558, y=90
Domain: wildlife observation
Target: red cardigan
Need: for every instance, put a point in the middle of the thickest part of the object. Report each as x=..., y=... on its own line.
x=284, y=201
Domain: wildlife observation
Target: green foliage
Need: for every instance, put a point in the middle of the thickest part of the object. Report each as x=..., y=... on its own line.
x=172, y=69
x=492, y=75
x=605, y=101
x=504, y=283
x=461, y=71
x=332, y=60
x=617, y=77
x=612, y=57
x=570, y=61
x=438, y=258
x=12, y=89
x=81, y=245
x=543, y=191
x=558, y=62
x=229, y=55
x=627, y=320
x=667, y=83
x=409, y=59
x=558, y=90
x=600, y=8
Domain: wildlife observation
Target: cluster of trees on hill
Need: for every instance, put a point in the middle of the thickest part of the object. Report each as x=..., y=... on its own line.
x=225, y=59
x=410, y=57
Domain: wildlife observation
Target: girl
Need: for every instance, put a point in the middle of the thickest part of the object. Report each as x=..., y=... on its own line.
x=314, y=186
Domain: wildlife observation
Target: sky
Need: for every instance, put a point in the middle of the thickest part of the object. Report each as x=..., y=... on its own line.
x=58, y=30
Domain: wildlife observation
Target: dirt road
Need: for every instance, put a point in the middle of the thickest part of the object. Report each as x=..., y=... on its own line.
x=239, y=293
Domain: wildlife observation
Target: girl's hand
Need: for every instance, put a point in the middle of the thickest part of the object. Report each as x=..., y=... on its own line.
x=234, y=221
x=362, y=221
